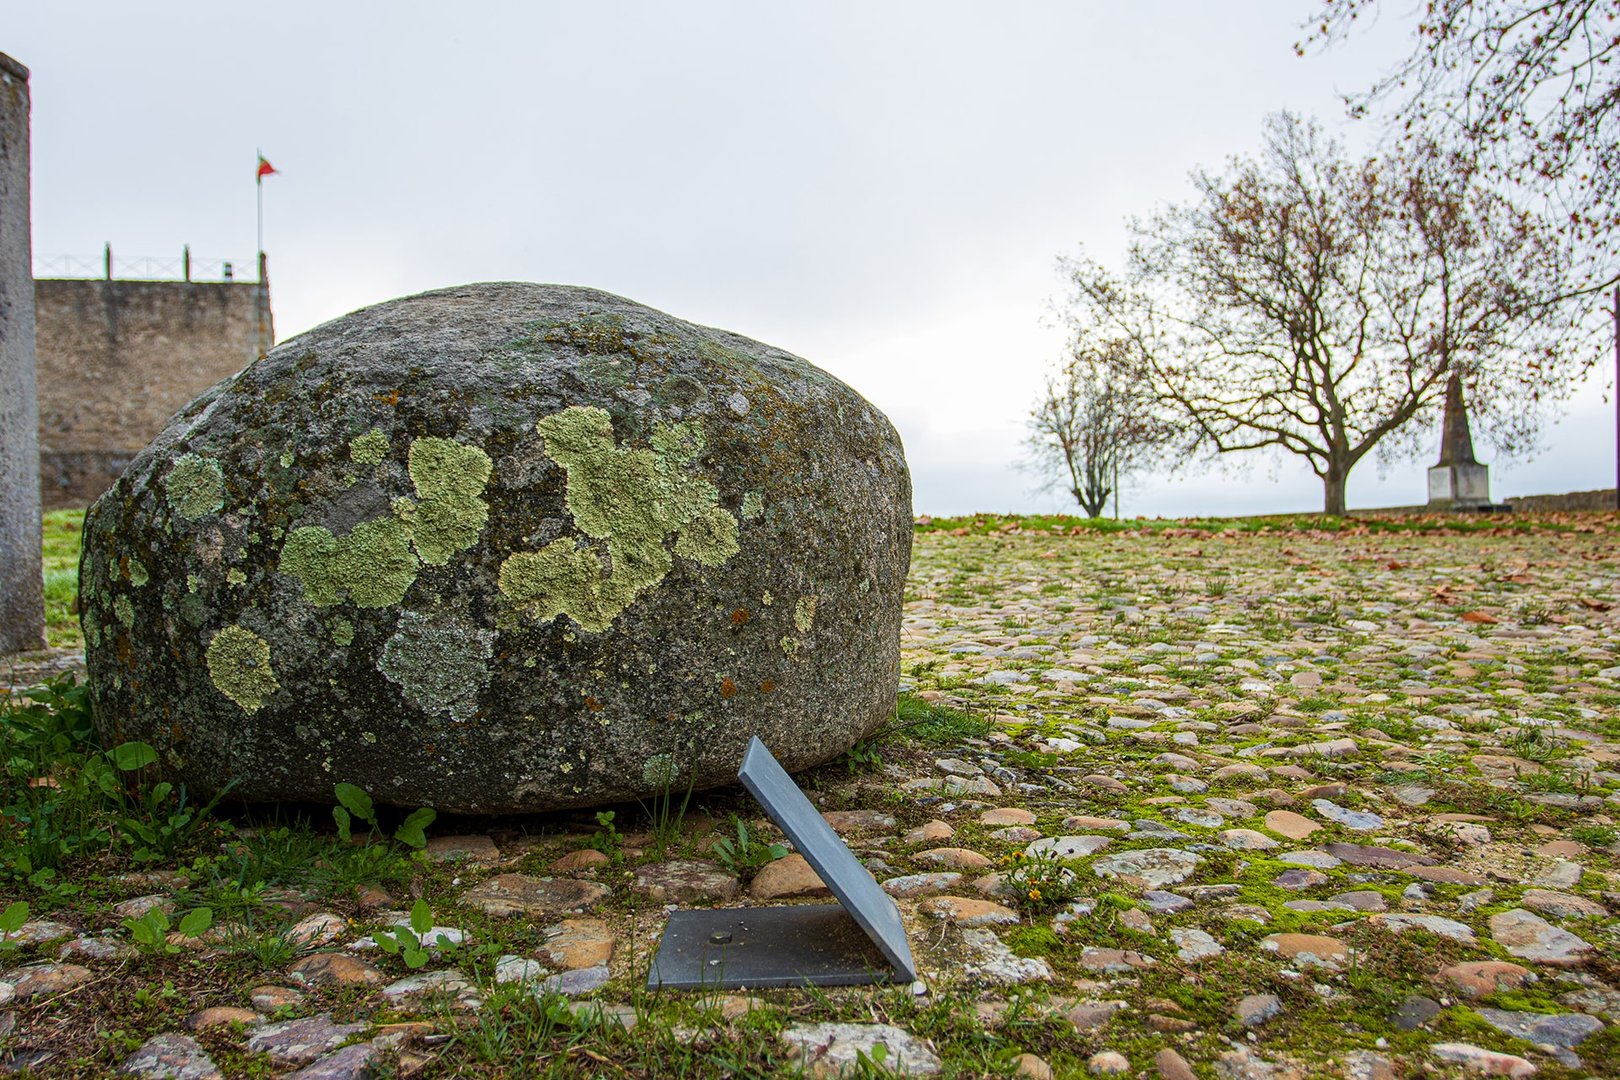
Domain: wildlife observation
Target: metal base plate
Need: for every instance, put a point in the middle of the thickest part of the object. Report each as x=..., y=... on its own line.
x=757, y=948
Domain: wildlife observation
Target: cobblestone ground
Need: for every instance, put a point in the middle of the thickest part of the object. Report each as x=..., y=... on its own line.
x=1175, y=804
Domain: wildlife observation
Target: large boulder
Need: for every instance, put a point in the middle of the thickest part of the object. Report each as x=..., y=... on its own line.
x=501, y=548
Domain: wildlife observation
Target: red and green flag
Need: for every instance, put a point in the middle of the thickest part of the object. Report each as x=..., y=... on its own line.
x=265, y=169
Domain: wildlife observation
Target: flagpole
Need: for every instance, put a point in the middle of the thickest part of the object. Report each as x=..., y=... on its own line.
x=258, y=182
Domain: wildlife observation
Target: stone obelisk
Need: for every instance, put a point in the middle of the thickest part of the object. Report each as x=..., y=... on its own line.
x=1459, y=481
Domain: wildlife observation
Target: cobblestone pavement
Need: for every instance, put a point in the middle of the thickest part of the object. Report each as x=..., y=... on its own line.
x=1185, y=803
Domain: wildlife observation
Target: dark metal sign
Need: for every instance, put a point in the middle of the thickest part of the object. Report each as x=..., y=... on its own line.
x=858, y=940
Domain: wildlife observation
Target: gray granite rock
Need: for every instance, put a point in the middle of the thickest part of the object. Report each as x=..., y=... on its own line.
x=495, y=529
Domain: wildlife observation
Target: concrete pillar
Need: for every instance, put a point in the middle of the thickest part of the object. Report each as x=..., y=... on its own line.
x=1459, y=481
x=22, y=601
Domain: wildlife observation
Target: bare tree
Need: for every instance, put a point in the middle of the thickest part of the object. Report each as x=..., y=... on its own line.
x=1307, y=304
x=1090, y=428
x=1527, y=90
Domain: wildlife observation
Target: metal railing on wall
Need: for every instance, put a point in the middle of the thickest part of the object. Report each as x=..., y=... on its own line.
x=141, y=268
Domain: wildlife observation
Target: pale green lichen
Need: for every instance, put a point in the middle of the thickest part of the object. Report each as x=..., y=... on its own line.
x=449, y=514
x=286, y=459
x=192, y=581
x=439, y=662
x=660, y=772
x=125, y=611
x=804, y=613
x=560, y=578
x=373, y=564
x=138, y=574
x=342, y=632
x=239, y=665
x=368, y=449
x=235, y=576
x=710, y=538
x=635, y=499
x=376, y=563
x=790, y=646
x=195, y=486
x=753, y=505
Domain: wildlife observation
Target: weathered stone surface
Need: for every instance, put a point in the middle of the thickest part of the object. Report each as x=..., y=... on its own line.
x=334, y=969
x=1287, y=823
x=684, y=881
x=1255, y=1009
x=172, y=1056
x=1530, y=937
x=1480, y=1060
x=271, y=998
x=350, y=1063
x=299, y=1042
x=578, y=943
x=858, y=822
x=786, y=878
x=1307, y=949
x=497, y=529
x=1013, y=815
x=583, y=859
x=1549, y=1029
x=826, y=1050
x=1172, y=1066
x=219, y=1015
x=1193, y=944
x=1088, y=1016
x=994, y=962
x=1481, y=978
x=520, y=894
x=43, y=980
x=1108, y=1063
x=1149, y=868
x=952, y=857
x=1435, y=924
x=430, y=984
x=1563, y=905
x=577, y=981
x=1067, y=847
x=912, y=886
x=964, y=911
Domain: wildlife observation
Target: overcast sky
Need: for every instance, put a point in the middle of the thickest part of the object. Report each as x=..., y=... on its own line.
x=880, y=187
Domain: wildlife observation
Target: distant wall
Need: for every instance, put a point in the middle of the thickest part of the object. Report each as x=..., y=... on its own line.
x=117, y=359
x=1602, y=499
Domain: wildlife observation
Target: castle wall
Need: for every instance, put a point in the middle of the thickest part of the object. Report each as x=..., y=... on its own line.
x=117, y=359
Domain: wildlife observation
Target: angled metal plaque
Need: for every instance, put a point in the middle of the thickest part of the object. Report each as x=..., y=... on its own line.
x=759, y=948
x=858, y=940
x=854, y=886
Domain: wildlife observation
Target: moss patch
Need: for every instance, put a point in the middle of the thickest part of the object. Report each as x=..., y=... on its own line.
x=239, y=665
x=635, y=499
x=373, y=564
x=195, y=486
